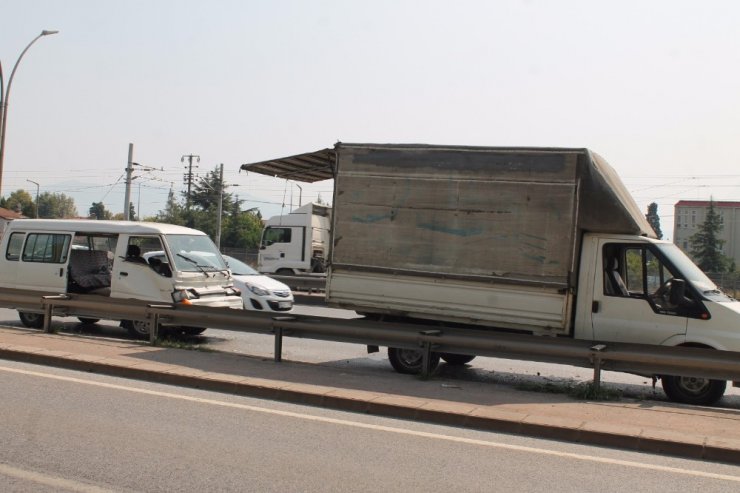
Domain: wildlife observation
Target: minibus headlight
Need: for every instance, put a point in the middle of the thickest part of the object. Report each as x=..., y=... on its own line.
x=233, y=292
x=183, y=296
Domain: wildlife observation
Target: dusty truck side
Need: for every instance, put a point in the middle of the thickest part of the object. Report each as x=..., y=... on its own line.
x=538, y=240
x=296, y=243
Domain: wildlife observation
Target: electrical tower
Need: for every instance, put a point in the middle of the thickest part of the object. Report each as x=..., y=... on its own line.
x=189, y=176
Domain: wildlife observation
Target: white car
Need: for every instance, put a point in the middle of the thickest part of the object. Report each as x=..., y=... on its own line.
x=259, y=292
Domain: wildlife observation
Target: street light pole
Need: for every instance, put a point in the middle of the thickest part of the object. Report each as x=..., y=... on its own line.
x=5, y=95
x=37, y=197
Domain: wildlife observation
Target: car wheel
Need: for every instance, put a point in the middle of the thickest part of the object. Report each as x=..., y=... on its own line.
x=32, y=320
x=693, y=390
x=409, y=361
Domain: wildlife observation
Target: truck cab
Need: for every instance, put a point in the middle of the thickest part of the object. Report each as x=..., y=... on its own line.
x=296, y=243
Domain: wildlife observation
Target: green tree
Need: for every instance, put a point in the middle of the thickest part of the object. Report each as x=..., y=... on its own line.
x=98, y=211
x=21, y=201
x=654, y=219
x=241, y=229
x=56, y=206
x=173, y=213
x=706, y=246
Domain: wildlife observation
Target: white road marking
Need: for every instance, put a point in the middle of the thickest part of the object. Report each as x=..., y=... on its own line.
x=389, y=429
x=53, y=481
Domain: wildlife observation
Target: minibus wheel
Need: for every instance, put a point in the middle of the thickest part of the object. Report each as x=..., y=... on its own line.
x=137, y=328
x=32, y=320
x=409, y=361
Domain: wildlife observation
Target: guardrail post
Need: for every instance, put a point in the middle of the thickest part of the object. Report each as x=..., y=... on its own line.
x=277, y=329
x=154, y=329
x=155, y=321
x=278, y=344
x=426, y=360
x=596, y=360
x=48, y=309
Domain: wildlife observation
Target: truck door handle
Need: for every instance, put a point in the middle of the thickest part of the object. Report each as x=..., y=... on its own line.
x=282, y=254
x=595, y=307
x=61, y=271
x=124, y=273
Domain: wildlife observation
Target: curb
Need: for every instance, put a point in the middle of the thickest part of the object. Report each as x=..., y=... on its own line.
x=392, y=406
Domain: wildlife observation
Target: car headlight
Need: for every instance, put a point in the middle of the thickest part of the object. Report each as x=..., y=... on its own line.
x=259, y=291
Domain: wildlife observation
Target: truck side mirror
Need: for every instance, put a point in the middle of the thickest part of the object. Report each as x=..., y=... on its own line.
x=678, y=289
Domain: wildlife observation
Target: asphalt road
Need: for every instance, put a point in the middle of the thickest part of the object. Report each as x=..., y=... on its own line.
x=70, y=431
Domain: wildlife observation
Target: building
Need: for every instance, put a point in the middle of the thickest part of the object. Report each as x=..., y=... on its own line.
x=6, y=215
x=690, y=214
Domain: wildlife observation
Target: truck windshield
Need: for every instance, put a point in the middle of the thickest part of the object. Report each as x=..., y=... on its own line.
x=195, y=253
x=692, y=273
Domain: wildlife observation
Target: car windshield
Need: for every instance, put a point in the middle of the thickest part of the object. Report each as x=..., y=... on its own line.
x=195, y=253
x=239, y=268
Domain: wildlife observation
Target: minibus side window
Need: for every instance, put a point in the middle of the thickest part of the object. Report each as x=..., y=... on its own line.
x=15, y=244
x=46, y=248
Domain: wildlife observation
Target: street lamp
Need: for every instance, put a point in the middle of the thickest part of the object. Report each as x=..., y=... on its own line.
x=5, y=95
x=37, y=197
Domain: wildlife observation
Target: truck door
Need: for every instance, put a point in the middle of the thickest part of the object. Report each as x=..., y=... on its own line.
x=283, y=247
x=43, y=265
x=631, y=300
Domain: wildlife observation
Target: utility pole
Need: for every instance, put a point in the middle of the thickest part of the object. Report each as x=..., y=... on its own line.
x=127, y=195
x=188, y=178
x=220, y=206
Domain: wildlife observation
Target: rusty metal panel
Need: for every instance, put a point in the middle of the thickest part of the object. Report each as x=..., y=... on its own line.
x=499, y=214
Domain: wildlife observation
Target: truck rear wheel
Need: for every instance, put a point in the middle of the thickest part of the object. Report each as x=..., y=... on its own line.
x=457, y=359
x=32, y=320
x=693, y=390
x=409, y=361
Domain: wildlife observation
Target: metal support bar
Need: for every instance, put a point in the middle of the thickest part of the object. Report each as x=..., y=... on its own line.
x=156, y=318
x=154, y=329
x=278, y=344
x=596, y=359
x=47, y=317
x=426, y=361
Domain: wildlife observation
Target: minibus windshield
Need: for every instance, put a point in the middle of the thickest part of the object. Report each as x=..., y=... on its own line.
x=195, y=253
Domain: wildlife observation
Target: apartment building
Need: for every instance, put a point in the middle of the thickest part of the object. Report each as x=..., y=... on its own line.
x=690, y=214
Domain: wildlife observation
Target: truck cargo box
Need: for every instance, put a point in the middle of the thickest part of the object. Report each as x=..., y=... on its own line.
x=477, y=235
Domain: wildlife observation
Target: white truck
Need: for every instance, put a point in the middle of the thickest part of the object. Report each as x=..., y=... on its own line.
x=544, y=241
x=107, y=258
x=296, y=243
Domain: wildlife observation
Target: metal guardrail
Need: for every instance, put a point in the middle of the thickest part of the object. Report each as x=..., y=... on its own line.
x=633, y=358
x=304, y=283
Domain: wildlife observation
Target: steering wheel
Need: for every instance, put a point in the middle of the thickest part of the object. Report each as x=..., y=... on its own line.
x=663, y=290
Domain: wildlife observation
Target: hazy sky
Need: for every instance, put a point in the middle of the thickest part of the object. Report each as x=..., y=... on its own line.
x=654, y=87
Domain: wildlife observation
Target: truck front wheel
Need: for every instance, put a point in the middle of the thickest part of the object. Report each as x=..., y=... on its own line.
x=409, y=361
x=693, y=390
x=32, y=320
